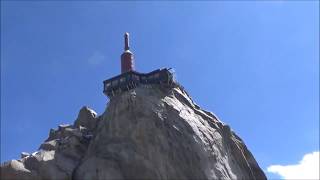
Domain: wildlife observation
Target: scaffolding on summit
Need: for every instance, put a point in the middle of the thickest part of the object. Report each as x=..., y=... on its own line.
x=130, y=78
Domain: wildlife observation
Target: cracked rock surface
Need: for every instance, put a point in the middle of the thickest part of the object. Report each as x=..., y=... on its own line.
x=149, y=132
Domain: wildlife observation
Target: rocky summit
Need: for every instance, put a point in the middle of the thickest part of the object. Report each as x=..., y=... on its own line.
x=150, y=132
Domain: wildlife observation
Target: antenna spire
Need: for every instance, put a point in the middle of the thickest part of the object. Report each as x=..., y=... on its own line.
x=126, y=41
x=127, y=63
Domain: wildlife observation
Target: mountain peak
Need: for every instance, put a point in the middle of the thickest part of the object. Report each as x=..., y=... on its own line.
x=149, y=132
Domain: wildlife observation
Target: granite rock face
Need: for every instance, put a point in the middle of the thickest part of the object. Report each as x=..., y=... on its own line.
x=150, y=132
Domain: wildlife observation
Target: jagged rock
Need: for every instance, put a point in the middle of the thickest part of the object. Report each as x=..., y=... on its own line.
x=49, y=145
x=86, y=118
x=47, y=167
x=24, y=154
x=146, y=133
x=64, y=132
x=31, y=163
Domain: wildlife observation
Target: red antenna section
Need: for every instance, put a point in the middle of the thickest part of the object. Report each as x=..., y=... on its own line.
x=127, y=63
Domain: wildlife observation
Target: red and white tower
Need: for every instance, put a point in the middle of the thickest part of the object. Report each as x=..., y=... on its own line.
x=127, y=63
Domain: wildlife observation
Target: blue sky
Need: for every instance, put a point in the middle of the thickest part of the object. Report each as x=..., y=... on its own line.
x=254, y=64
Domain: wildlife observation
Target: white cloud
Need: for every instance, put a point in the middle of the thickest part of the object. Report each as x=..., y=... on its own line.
x=96, y=58
x=307, y=168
